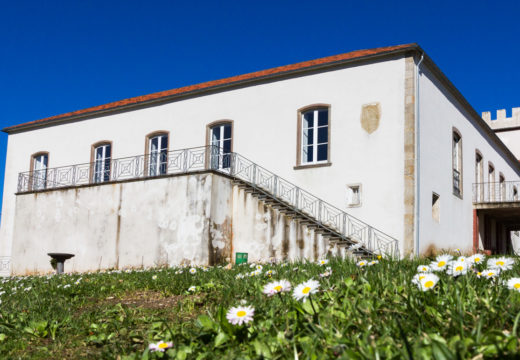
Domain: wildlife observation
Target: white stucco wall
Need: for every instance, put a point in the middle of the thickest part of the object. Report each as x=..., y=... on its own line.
x=440, y=112
x=199, y=219
x=265, y=130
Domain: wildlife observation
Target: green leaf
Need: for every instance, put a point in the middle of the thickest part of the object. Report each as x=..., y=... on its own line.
x=221, y=338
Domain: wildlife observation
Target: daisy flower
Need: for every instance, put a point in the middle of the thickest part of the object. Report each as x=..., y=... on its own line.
x=462, y=259
x=154, y=277
x=193, y=271
x=503, y=263
x=361, y=263
x=323, y=262
x=160, y=346
x=239, y=315
x=255, y=273
x=457, y=268
x=418, y=277
x=373, y=262
x=476, y=259
x=239, y=276
x=514, y=284
x=428, y=282
x=423, y=269
x=304, y=290
x=490, y=273
x=270, y=273
x=192, y=288
x=276, y=287
x=441, y=262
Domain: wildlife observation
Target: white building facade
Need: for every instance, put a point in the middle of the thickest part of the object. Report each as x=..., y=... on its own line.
x=379, y=134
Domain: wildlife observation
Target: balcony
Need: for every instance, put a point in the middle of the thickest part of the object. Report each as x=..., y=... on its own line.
x=496, y=192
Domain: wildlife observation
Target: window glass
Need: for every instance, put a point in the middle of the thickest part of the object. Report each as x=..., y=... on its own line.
x=40, y=172
x=314, y=136
x=158, y=153
x=221, y=139
x=102, y=163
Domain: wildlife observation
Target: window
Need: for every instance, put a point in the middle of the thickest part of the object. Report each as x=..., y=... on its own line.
x=491, y=181
x=502, y=184
x=313, y=136
x=457, y=163
x=157, y=154
x=479, y=177
x=220, y=138
x=39, y=167
x=515, y=193
x=354, y=195
x=436, y=207
x=102, y=154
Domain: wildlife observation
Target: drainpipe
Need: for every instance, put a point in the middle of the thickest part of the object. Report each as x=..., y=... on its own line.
x=417, y=157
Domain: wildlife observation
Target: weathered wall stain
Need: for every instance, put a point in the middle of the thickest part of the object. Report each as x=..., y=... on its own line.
x=370, y=117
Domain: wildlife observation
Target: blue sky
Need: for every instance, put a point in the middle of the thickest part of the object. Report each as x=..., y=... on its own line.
x=60, y=56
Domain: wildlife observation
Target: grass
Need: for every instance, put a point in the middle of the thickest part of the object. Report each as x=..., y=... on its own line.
x=359, y=313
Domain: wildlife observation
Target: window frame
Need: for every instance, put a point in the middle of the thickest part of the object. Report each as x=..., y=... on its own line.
x=31, y=167
x=93, y=148
x=479, y=175
x=299, y=143
x=491, y=181
x=209, y=128
x=147, y=154
x=457, y=164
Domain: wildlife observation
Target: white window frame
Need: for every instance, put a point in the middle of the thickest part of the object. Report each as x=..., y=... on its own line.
x=457, y=163
x=158, y=158
x=40, y=165
x=220, y=156
x=102, y=164
x=354, y=200
x=315, y=144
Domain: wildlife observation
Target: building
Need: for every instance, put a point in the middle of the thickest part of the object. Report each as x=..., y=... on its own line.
x=373, y=149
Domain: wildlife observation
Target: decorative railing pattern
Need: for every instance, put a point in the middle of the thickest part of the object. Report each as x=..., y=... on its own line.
x=502, y=191
x=234, y=165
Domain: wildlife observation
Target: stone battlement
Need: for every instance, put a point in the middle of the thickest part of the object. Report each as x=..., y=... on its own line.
x=501, y=121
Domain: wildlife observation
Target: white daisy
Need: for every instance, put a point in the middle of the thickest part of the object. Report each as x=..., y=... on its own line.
x=154, y=277
x=457, y=268
x=239, y=276
x=259, y=267
x=428, y=282
x=490, y=273
x=441, y=262
x=462, y=259
x=514, y=284
x=270, y=273
x=323, y=261
x=255, y=273
x=326, y=273
x=192, y=288
x=362, y=263
x=476, y=259
x=240, y=315
x=418, y=277
x=304, y=290
x=276, y=287
x=423, y=269
x=503, y=263
x=373, y=262
x=160, y=346
x=193, y=271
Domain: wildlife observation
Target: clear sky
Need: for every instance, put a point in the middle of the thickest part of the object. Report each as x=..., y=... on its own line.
x=60, y=56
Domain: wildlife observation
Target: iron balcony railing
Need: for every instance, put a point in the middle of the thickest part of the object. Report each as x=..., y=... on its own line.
x=502, y=191
x=231, y=164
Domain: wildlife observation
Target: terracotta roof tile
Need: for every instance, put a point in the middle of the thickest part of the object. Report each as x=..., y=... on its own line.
x=215, y=83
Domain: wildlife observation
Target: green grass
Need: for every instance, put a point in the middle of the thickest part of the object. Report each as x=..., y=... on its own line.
x=372, y=312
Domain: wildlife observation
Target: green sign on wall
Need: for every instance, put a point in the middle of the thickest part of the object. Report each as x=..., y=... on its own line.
x=241, y=258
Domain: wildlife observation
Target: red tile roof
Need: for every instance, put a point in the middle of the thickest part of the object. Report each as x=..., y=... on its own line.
x=216, y=83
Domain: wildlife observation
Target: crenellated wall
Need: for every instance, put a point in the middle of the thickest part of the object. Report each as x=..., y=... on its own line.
x=507, y=129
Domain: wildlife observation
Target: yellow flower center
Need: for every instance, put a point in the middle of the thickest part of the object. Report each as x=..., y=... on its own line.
x=500, y=262
x=241, y=313
x=422, y=277
x=306, y=290
x=517, y=286
x=479, y=273
x=163, y=345
x=441, y=263
x=477, y=259
x=490, y=274
x=361, y=263
x=378, y=257
x=428, y=284
x=462, y=259
x=459, y=268
x=278, y=288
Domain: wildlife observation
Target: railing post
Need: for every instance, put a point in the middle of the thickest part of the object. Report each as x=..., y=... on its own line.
x=344, y=227
x=232, y=159
x=185, y=161
x=319, y=211
x=275, y=186
x=113, y=171
x=254, y=176
x=74, y=175
x=20, y=179
x=297, y=197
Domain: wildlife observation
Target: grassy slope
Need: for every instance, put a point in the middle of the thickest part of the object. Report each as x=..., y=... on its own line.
x=361, y=313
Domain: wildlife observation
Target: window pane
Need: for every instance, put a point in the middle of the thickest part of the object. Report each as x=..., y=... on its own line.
x=227, y=131
x=154, y=144
x=308, y=119
x=164, y=142
x=308, y=136
x=108, y=151
x=323, y=134
x=322, y=152
x=323, y=117
x=308, y=152
x=99, y=153
x=227, y=146
x=215, y=135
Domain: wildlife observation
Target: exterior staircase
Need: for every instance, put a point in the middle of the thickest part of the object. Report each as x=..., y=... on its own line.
x=346, y=234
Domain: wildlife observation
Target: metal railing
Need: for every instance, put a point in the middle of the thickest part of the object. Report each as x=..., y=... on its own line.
x=502, y=191
x=232, y=164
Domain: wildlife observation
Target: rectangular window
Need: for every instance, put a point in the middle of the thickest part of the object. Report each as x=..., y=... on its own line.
x=102, y=157
x=39, y=171
x=479, y=177
x=491, y=182
x=457, y=164
x=354, y=195
x=314, y=136
x=158, y=153
x=220, y=140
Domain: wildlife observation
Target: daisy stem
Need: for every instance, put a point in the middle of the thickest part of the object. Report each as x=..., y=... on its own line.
x=312, y=304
